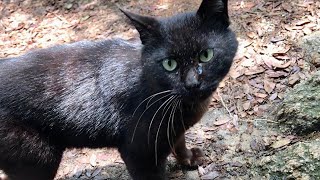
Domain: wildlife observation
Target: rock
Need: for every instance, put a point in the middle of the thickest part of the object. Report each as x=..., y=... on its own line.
x=311, y=46
x=192, y=175
x=299, y=161
x=300, y=111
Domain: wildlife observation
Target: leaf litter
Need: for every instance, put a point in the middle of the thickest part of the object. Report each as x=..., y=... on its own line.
x=268, y=63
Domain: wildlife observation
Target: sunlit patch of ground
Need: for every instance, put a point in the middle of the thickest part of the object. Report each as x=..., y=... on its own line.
x=234, y=132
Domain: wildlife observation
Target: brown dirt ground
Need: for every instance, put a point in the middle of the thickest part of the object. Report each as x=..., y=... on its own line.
x=235, y=131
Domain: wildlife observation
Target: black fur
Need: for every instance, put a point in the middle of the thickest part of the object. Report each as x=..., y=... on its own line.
x=93, y=94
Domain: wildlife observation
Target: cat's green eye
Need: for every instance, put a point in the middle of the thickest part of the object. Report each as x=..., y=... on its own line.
x=206, y=56
x=169, y=64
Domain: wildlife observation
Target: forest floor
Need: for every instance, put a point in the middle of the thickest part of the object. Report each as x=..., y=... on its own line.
x=235, y=131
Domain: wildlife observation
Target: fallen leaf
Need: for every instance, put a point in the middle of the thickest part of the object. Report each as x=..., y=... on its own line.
x=211, y=175
x=96, y=172
x=248, y=63
x=68, y=6
x=294, y=78
x=208, y=129
x=275, y=74
x=260, y=100
x=307, y=30
x=254, y=70
x=88, y=173
x=302, y=22
x=287, y=7
x=251, y=35
x=260, y=95
x=272, y=62
x=273, y=96
x=246, y=105
x=93, y=160
x=276, y=39
x=201, y=170
x=281, y=56
x=280, y=143
x=222, y=120
x=253, y=82
x=84, y=18
x=269, y=86
x=280, y=95
x=237, y=72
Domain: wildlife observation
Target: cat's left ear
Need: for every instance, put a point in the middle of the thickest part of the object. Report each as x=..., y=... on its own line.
x=148, y=27
x=214, y=9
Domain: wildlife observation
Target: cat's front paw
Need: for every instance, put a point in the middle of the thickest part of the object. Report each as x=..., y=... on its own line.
x=191, y=158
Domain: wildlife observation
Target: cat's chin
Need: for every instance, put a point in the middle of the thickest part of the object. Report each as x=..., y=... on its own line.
x=196, y=97
x=199, y=95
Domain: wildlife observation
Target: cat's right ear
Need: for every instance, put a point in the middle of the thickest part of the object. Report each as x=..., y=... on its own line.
x=148, y=27
x=214, y=9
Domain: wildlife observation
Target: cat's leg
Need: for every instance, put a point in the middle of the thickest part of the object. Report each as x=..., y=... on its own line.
x=190, y=158
x=25, y=154
x=141, y=165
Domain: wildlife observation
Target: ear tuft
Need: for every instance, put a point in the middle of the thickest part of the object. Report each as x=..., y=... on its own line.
x=148, y=27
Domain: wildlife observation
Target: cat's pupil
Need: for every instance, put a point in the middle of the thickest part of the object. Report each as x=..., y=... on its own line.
x=206, y=54
x=169, y=63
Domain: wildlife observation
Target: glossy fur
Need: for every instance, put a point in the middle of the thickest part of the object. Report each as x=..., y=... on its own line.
x=114, y=93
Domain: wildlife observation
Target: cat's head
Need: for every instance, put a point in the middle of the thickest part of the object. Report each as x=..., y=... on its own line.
x=188, y=53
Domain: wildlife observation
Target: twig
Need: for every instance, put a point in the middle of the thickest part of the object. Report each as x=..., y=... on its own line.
x=224, y=105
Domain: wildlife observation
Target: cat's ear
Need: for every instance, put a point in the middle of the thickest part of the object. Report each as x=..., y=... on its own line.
x=148, y=27
x=214, y=9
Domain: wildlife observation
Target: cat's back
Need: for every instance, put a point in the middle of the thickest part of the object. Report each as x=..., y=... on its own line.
x=61, y=60
x=68, y=76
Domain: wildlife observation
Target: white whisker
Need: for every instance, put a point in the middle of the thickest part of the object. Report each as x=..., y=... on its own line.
x=168, y=127
x=167, y=101
x=150, y=98
x=157, y=134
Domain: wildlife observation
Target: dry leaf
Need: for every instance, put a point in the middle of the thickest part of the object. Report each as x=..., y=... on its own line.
x=269, y=86
x=211, y=175
x=235, y=74
x=294, y=78
x=272, y=62
x=280, y=95
x=307, y=30
x=222, y=120
x=251, y=35
x=273, y=96
x=201, y=170
x=276, y=39
x=93, y=160
x=302, y=22
x=260, y=95
x=280, y=143
x=246, y=105
x=281, y=56
x=248, y=63
x=96, y=172
x=254, y=70
x=287, y=7
x=275, y=74
x=254, y=83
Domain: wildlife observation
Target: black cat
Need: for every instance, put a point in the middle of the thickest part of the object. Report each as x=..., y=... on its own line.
x=138, y=98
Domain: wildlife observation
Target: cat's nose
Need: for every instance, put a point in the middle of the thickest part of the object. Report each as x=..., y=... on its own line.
x=192, y=79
